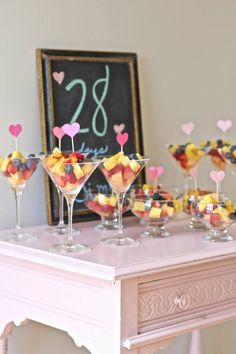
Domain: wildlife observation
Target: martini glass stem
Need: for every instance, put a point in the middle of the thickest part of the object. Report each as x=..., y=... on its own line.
x=120, y=201
x=61, y=208
x=70, y=199
x=18, y=194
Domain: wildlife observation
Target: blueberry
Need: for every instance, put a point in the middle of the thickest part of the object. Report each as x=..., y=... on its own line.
x=182, y=148
x=232, y=215
x=170, y=204
x=199, y=215
x=68, y=168
x=133, y=157
x=23, y=167
x=223, y=205
x=233, y=147
x=31, y=155
x=228, y=155
x=178, y=151
x=28, y=164
x=157, y=196
x=16, y=162
x=233, y=159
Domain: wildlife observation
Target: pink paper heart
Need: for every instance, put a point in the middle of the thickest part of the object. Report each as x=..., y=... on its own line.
x=224, y=125
x=71, y=129
x=15, y=130
x=122, y=138
x=58, y=132
x=217, y=176
x=58, y=77
x=119, y=128
x=155, y=172
x=187, y=128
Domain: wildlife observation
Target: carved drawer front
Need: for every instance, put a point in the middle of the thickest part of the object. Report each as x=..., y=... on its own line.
x=165, y=301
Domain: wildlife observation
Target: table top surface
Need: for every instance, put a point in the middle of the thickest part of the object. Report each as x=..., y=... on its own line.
x=111, y=263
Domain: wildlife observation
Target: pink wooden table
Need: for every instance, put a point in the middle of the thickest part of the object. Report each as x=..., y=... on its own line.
x=119, y=301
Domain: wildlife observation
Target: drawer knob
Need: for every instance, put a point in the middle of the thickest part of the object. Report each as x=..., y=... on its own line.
x=181, y=301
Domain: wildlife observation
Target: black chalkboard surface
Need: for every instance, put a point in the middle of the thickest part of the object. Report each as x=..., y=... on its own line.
x=99, y=90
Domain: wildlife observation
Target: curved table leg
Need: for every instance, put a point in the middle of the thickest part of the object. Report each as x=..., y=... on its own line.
x=4, y=338
x=196, y=342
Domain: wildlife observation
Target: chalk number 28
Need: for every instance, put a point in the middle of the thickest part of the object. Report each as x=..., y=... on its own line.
x=99, y=102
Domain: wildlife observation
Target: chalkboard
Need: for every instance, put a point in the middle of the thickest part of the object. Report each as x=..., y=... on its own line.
x=99, y=90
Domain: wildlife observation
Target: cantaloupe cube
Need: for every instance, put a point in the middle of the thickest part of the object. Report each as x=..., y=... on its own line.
x=116, y=181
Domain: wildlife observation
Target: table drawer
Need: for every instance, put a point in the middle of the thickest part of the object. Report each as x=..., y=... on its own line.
x=168, y=301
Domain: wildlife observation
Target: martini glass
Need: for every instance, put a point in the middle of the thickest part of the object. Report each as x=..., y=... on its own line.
x=187, y=156
x=69, y=178
x=18, y=169
x=120, y=172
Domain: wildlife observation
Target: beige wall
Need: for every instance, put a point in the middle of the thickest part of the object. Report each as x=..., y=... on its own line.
x=187, y=71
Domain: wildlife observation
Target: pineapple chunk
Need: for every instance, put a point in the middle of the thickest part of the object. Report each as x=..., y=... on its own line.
x=155, y=212
x=134, y=165
x=78, y=171
x=5, y=164
x=58, y=168
x=87, y=168
x=112, y=200
x=109, y=164
x=139, y=206
x=16, y=155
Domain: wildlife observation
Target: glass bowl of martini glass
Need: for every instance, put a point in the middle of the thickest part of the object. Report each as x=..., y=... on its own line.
x=18, y=168
x=69, y=174
x=187, y=156
x=120, y=172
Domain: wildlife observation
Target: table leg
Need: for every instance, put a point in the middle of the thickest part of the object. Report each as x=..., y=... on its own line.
x=4, y=338
x=196, y=343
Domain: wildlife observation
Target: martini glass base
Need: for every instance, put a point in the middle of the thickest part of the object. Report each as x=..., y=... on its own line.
x=218, y=236
x=70, y=249
x=155, y=234
x=104, y=226
x=119, y=241
x=21, y=237
x=60, y=231
x=195, y=225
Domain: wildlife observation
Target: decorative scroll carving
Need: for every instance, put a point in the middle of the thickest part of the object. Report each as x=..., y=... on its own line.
x=157, y=302
x=4, y=337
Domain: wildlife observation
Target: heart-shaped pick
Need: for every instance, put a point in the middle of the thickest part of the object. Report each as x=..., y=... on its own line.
x=122, y=138
x=119, y=128
x=187, y=128
x=71, y=129
x=15, y=130
x=224, y=125
x=58, y=132
x=155, y=172
x=217, y=176
x=58, y=77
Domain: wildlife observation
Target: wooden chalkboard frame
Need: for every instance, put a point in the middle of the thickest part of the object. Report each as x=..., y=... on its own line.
x=47, y=108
